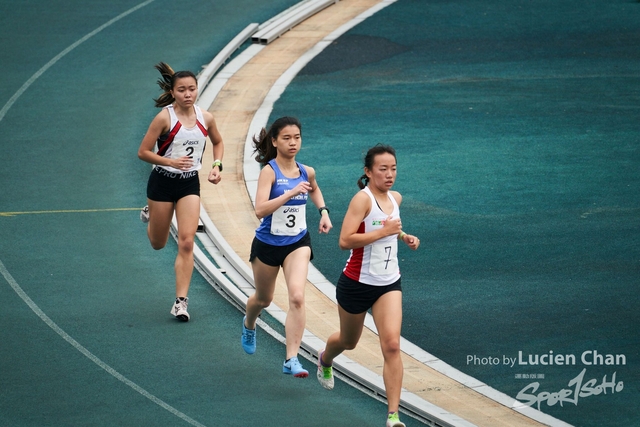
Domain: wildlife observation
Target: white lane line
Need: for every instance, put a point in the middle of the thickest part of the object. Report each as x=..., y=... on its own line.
x=16, y=287
x=49, y=64
x=46, y=319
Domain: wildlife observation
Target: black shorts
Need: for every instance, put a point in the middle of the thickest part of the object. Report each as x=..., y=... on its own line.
x=275, y=255
x=355, y=297
x=164, y=186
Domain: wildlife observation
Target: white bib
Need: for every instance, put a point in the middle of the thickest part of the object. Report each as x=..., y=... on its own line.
x=289, y=220
x=192, y=148
x=384, y=258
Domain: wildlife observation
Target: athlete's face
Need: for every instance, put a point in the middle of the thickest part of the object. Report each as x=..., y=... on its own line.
x=185, y=91
x=382, y=174
x=288, y=141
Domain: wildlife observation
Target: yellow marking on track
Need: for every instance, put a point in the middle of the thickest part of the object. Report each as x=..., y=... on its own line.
x=68, y=211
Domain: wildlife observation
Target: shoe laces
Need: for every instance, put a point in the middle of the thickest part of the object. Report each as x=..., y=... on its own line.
x=293, y=362
x=249, y=335
x=183, y=303
x=327, y=371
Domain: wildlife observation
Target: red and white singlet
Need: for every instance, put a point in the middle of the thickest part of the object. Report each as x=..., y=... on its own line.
x=375, y=264
x=181, y=141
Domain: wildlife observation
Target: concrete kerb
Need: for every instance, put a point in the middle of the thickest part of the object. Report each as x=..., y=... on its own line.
x=205, y=76
x=290, y=20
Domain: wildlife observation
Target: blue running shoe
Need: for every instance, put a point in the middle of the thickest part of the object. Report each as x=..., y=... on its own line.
x=293, y=367
x=248, y=339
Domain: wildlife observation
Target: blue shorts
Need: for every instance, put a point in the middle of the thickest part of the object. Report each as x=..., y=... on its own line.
x=275, y=255
x=355, y=297
x=165, y=186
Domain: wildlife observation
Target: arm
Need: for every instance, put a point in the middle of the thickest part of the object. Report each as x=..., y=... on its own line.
x=159, y=125
x=359, y=208
x=218, y=146
x=316, y=197
x=266, y=206
x=410, y=240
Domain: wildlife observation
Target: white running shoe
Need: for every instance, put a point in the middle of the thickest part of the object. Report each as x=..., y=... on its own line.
x=325, y=374
x=394, y=421
x=144, y=214
x=179, y=309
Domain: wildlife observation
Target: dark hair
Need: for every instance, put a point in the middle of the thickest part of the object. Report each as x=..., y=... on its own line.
x=263, y=145
x=168, y=81
x=369, y=159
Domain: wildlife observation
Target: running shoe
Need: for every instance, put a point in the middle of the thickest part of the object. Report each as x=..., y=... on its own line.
x=144, y=214
x=293, y=367
x=248, y=339
x=179, y=309
x=393, y=420
x=325, y=374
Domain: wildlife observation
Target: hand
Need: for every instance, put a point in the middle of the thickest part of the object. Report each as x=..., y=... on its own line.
x=214, y=176
x=325, y=224
x=392, y=226
x=412, y=241
x=302, y=188
x=182, y=163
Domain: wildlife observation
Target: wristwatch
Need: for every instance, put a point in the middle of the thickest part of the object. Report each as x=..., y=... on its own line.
x=217, y=163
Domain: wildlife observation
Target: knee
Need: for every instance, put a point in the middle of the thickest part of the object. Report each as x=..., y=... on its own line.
x=185, y=245
x=157, y=244
x=296, y=300
x=262, y=301
x=391, y=348
x=349, y=345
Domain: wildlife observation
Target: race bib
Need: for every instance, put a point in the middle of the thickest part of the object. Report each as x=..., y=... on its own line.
x=289, y=220
x=192, y=148
x=384, y=258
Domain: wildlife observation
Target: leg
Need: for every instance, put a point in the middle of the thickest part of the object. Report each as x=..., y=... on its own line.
x=346, y=338
x=296, y=267
x=265, y=282
x=160, y=215
x=187, y=214
x=387, y=314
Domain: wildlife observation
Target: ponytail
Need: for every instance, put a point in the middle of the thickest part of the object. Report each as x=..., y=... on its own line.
x=363, y=181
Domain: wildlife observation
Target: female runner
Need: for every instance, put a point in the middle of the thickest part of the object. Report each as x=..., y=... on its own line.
x=282, y=239
x=371, y=277
x=179, y=131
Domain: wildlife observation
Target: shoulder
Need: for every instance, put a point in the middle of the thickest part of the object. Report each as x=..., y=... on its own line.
x=397, y=196
x=205, y=113
x=361, y=198
x=360, y=205
x=162, y=119
x=311, y=172
x=208, y=117
x=267, y=172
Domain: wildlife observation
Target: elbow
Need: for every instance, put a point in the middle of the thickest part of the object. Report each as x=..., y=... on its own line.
x=343, y=245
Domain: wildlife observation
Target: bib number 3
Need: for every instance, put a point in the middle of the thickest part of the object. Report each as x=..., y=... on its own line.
x=289, y=220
